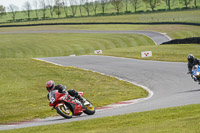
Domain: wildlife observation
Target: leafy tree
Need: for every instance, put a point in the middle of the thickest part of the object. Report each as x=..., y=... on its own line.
x=135, y=4
x=103, y=5
x=187, y=2
x=43, y=7
x=195, y=3
x=94, y=6
x=57, y=7
x=169, y=3
x=118, y=4
x=87, y=6
x=126, y=2
x=80, y=5
x=2, y=10
x=152, y=3
x=27, y=8
x=73, y=7
x=35, y=4
x=13, y=10
x=65, y=7
x=50, y=6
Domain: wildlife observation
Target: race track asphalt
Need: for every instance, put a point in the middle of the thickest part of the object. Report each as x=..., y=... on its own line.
x=168, y=81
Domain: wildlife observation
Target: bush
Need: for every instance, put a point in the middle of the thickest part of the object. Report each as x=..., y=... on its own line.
x=177, y=9
x=127, y=12
x=27, y=19
x=193, y=40
x=34, y=19
x=161, y=10
x=149, y=11
x=19, y=20
x=10, y=21
x=140, y=11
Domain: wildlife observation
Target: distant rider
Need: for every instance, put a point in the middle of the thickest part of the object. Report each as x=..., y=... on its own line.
x=50, y=85
x=192, y=61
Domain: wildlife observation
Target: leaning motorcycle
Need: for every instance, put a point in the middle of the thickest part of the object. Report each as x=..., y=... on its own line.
x=196, y=73
x=68, y=106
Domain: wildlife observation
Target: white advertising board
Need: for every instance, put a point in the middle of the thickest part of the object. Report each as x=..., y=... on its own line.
x=98, y=51
x=146, y=54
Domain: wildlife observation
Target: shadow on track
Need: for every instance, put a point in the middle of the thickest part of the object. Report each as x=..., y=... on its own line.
x=195, y=90
x=59, y=118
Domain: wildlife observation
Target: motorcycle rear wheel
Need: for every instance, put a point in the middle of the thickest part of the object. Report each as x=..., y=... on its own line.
x=64, y=111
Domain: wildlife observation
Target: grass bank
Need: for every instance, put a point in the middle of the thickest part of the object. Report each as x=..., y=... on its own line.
x=50, y=44
x=191, y=16
x=174, y=31
x=171, y=120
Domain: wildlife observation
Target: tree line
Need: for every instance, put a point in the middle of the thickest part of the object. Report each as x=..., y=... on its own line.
x=70, y=7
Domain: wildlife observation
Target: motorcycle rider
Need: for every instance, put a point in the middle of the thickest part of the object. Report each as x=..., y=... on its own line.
x=50, y=86
x=192, y=61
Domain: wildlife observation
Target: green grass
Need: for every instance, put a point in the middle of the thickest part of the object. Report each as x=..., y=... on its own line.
x=23, y=92
x=174, y=31
x=176, y=53
x=171, y=120
x=47, y=44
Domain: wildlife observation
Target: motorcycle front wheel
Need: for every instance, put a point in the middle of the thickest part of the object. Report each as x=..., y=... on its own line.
x=89, y=109
x=64, y=111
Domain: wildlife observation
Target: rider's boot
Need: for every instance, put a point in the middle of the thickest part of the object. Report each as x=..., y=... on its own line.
x=195, y=79
x=198, y=80
x=82, y=100
x=75, y=94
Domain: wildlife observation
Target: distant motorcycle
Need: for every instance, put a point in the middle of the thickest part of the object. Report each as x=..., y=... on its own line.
x=68, y=106
x=196, y=73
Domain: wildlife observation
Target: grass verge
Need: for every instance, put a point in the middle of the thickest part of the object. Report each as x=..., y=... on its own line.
x=174, y=31
x=170, y=120
x=170, y=52
x=172, y=16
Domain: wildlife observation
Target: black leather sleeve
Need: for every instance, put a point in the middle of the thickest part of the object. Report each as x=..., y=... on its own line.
x=48, y=96
x=198, y=61
x=60, y=88
x=189, y=67
x=73, y=93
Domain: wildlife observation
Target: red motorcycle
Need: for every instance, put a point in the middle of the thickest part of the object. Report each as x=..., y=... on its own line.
x=68, y=106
